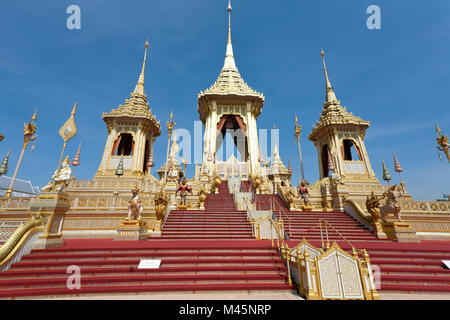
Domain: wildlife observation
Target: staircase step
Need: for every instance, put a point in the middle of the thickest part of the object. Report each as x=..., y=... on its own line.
x=143, y=288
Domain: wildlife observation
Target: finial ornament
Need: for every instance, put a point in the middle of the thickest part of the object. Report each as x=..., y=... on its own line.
x=330, y=96
x=139, y=89
x=29, y=130
x=443, y=144
x=229, y=57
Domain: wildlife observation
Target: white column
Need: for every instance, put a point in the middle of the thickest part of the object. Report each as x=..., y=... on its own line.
x=365, y=157
x=319, y=157
x=339, y=159
x=206, y=139
x=107, y=150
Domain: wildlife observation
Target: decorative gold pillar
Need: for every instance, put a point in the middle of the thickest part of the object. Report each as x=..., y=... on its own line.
x=52, y=207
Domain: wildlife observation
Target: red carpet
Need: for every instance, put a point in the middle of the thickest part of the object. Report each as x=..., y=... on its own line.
x=219, y=221
x=109, y=266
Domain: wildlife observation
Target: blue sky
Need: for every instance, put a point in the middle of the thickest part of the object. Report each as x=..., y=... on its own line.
x=397, y=77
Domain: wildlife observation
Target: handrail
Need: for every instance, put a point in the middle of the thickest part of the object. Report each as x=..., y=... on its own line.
x=20, y=243
x=344, y=238
x=283, y=212
x=166, y=214
x=304, y=262
x=363, y=217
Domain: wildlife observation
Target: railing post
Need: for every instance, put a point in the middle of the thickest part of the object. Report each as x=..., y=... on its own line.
x=288, y=254
x=300, y=276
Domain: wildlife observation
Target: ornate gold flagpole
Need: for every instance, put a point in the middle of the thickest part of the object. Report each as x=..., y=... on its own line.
x=298, y=130
x=170, y=125
x=28, y=132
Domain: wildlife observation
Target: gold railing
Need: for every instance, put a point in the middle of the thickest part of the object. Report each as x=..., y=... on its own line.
x=20, y=243
x=273, y=205
x=308, y=277
x=15, y=203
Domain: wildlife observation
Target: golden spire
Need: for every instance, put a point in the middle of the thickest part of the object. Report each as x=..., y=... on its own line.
x=140, y=85
x=330, y=96
x=229, y=57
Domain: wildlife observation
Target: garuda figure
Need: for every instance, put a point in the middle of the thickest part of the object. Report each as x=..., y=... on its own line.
x=304, y=193
x=135, y=206
x=184, y=188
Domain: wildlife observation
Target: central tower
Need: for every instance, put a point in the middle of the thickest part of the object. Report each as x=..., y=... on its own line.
x=230, y=106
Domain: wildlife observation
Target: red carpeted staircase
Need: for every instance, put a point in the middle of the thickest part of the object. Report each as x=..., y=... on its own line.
x=300, y=224
x=404, y=267
x=109, y=266
x=224, y=257
x=219, y=221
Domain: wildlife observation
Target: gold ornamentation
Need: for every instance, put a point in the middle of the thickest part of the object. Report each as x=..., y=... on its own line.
x=161, y=201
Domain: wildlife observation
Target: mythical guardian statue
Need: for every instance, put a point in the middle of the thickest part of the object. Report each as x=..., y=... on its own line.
x=161, y=201
x=135, y=206
x=392, y=206
x=304, y=193
x=61, y=178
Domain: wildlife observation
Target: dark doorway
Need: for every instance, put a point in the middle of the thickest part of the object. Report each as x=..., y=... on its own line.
x=325, y=161
x=146, y=156
x=126, y=145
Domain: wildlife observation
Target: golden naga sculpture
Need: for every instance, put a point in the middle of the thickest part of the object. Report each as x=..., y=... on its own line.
x=161, y=201
x=202, y=194
x=373, y=206
x=287, y=193
x=392, y=206
x=135, y=206
x=217, y=181
x=256, y=180
x=61, y=178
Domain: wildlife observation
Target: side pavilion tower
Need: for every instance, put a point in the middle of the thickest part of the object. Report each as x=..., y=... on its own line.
x=132, y=130
x=339, y=138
